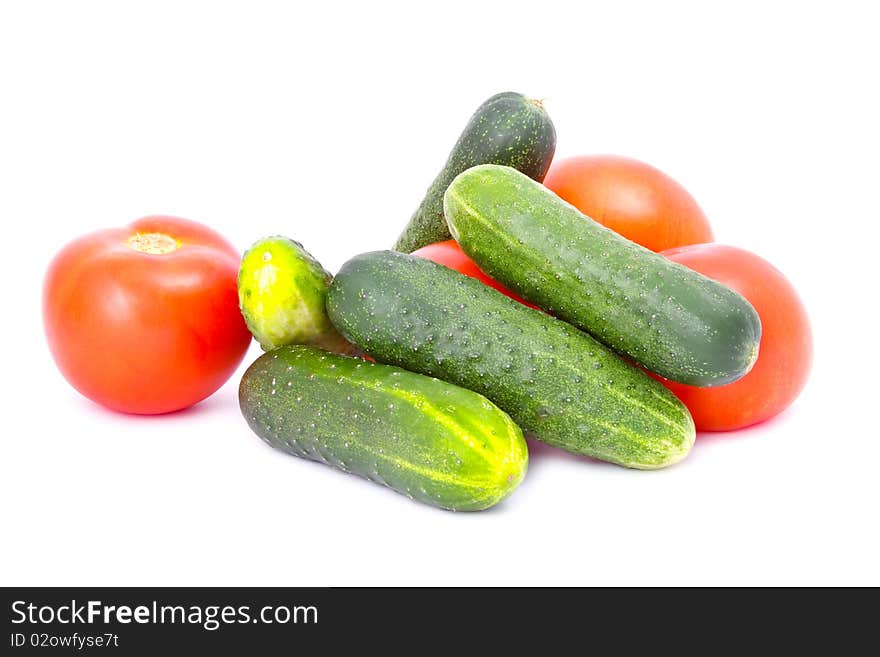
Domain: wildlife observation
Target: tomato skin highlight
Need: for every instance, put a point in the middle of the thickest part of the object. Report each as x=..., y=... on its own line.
x=631, y=198
x=449, y=254
x=786, y=349
x=145, y=332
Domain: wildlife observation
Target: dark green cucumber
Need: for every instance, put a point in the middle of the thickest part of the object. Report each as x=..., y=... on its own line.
x=555, y=381
x=507, y=129
x=666, y=317
x=431, y=440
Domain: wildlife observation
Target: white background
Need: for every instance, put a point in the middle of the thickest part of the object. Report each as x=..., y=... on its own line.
x=325, y=122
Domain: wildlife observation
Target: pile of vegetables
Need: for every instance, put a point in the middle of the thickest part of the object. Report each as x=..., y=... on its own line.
x=591, y=312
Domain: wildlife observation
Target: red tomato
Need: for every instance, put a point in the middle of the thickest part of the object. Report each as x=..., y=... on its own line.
x=145, y=319
x=449, y=254
x=786, y=349
x=631, y=198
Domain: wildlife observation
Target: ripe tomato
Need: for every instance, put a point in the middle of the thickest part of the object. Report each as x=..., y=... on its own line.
x=145, y=319
x=449, y=254
x=631, y=198
x=786, y=349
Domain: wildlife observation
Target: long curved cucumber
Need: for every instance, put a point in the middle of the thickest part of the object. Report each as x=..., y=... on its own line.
x=555, y=381
x=506, y=129
x=428, y=439
x=674, y=321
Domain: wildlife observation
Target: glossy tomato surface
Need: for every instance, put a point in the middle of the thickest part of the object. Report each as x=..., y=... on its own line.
x=786, y=348
x=631, y=198
x=449, y=254
x=144, y=319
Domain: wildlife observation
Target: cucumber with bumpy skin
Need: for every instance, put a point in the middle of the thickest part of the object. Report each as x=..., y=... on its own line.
x=555, y=381
x=507, y=129
x=674, y=321
x=428, y=439
x=281, y=293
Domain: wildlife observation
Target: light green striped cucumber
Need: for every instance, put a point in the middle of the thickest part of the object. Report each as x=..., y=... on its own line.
x=556, y=382
x=281, y=293
x=428, y=439
x=669, y=318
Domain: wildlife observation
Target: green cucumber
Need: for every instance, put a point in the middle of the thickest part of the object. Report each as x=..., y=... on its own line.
x=507, y=129
x=666, y=317
x=430, y=440
x=555, y=381
x=281, y=293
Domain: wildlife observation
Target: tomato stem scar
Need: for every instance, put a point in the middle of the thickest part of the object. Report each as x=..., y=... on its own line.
x=153, y=243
